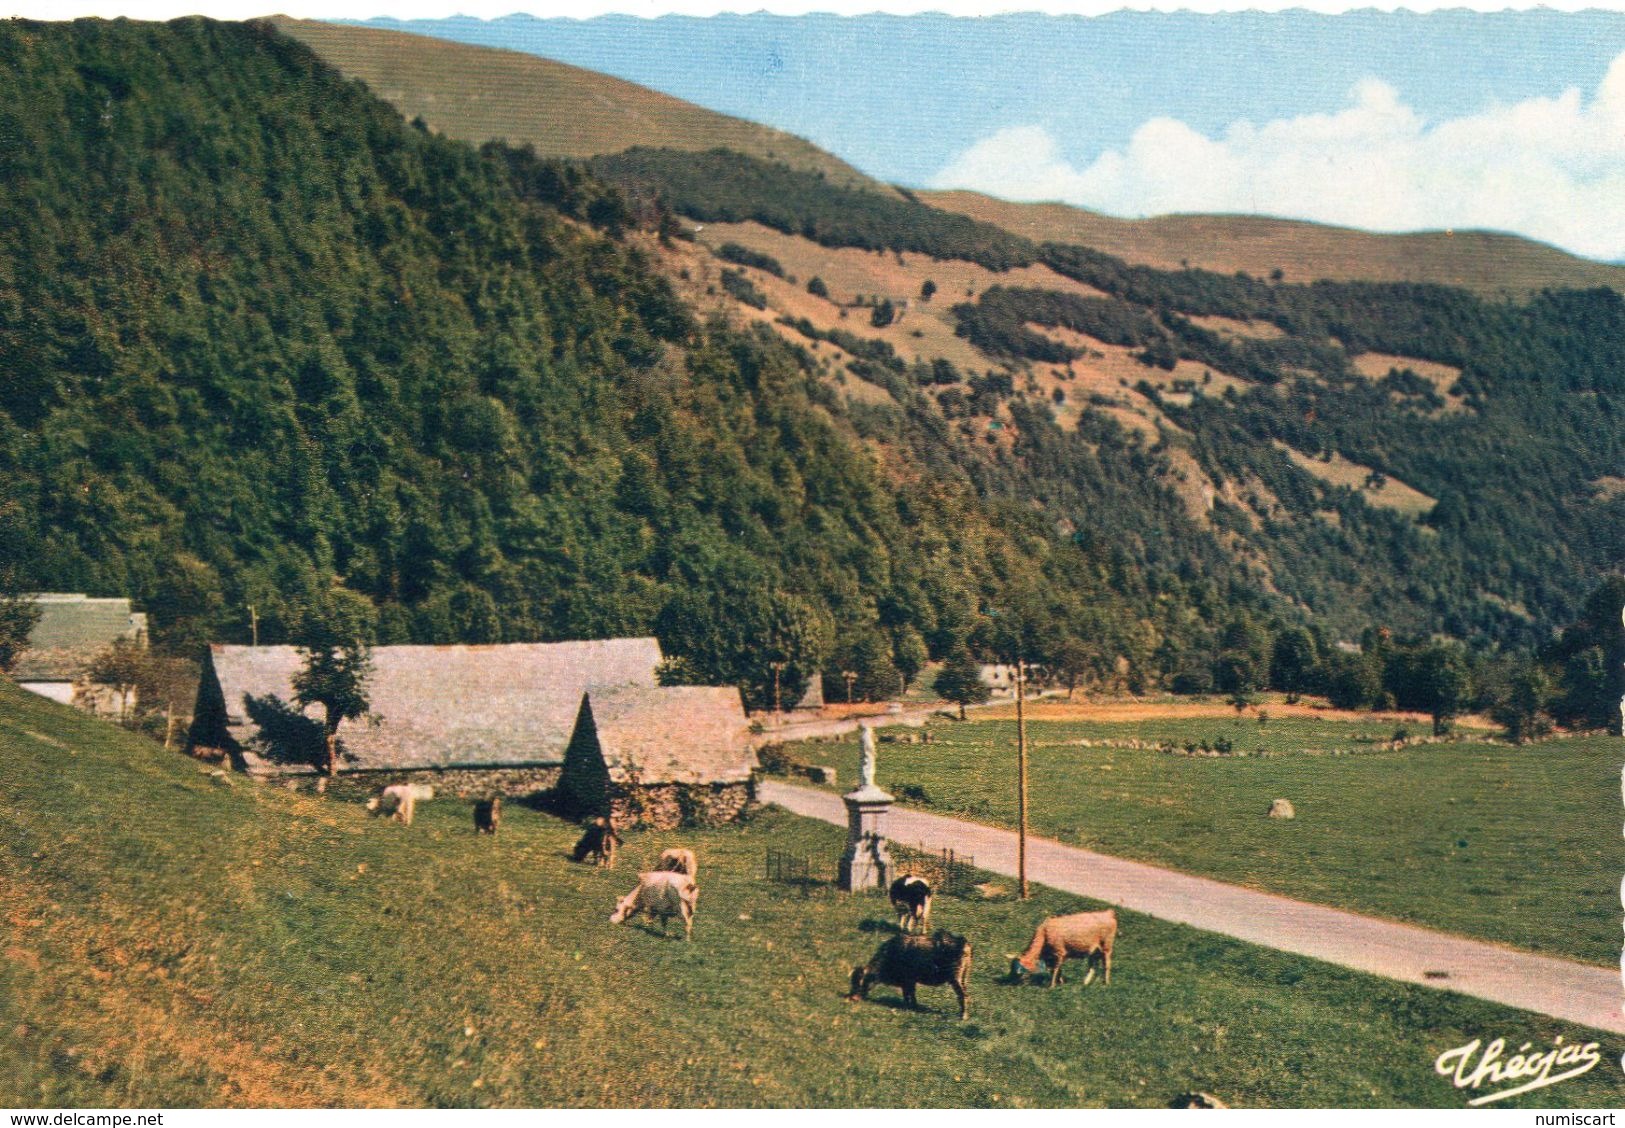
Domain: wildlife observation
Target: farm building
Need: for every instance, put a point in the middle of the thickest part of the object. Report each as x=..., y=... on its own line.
x=484, y=719
x=72, y=631
x=661, y=757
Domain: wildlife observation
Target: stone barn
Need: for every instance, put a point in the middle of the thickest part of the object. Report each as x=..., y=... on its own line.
x=472, y=720
x=72, y=632
x=662, y=758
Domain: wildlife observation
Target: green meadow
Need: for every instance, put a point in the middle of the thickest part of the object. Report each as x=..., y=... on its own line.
x=1515, y=845
x=176, y=938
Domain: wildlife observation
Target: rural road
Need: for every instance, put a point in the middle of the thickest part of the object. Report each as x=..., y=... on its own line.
x=1591, y=996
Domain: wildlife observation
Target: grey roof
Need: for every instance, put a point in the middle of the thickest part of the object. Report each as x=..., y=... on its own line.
x=438, y=706
x=673, y=734
x=72, y=630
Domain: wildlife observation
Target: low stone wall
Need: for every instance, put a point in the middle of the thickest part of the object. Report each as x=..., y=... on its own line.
x=471, y=783
x=667, y=806
x=531, y=783
x=663, y=806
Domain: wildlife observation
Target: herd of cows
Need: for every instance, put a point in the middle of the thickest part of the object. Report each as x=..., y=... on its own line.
x=912, y=958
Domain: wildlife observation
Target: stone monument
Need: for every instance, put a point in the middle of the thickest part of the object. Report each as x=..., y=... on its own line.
x=866, y=863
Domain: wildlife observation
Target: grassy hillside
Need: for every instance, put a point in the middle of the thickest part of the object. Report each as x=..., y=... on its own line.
x=1484, y=262
x=1505, y=844
x=479, y=94
x=173, y=938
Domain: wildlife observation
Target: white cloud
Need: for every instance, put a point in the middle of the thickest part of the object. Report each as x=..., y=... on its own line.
x=1549, y=168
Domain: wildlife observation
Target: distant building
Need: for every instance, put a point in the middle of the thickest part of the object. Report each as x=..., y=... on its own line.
x=663, y=757
x=72, y=631
x=999, y=679
x=812, y=701
x=486, y=719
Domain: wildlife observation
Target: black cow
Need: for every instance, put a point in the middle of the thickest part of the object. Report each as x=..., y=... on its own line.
x=907, y=961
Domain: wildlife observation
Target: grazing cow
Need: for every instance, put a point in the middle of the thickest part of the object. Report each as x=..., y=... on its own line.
x=911, y=897
x=679, y=860
x=599, y=843
x=662, y=894
x=487, y=815
x=1088, y=936
x=395, y=801
x=907, y=961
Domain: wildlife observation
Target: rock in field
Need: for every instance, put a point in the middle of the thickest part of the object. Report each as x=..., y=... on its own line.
x=1282, y=809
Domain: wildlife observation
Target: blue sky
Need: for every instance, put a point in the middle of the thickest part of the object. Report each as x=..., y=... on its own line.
x=1393, y=121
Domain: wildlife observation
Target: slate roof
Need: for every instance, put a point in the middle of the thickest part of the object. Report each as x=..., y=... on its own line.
x=502, y=705
x=72, y=630
x=672, y=734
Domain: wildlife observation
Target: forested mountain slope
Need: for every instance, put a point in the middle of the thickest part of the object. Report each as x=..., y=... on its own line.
x=260, y=336
x=262, y=339
x=1397, y=453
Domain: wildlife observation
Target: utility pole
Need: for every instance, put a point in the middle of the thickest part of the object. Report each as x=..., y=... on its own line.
x=1021, y=772
x=253, y=626
x=850, y=676
x=778, y=668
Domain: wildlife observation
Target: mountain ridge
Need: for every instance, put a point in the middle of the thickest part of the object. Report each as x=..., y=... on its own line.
x=498, y=93
x=416, y=82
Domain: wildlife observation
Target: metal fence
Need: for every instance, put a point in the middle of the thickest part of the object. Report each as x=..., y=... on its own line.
x=799, y=870
x=948, y=872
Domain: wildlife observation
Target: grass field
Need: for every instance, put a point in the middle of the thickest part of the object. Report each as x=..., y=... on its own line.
x=1516, y=845
x=173, y=939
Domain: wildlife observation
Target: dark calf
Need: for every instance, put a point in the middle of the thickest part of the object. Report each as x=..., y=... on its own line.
x=487, y=815
x=908, y=961
x=598, y=843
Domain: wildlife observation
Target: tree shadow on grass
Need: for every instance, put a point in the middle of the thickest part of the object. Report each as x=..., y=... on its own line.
x=286, y=736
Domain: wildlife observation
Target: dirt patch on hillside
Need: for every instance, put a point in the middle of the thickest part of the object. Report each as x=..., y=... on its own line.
x=1234, y=328
x=1374, y=366
x=1376, y=489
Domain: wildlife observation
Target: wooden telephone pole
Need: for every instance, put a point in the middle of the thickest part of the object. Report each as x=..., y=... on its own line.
x=778, y=668
x=1021, y=773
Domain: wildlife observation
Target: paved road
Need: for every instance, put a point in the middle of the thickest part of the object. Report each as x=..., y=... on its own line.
x=1574, y=992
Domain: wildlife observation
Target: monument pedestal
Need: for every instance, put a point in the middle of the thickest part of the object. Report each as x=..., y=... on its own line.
x=866, y=863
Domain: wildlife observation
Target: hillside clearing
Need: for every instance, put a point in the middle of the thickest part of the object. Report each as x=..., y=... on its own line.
x=236, y=944
x=1385, y=491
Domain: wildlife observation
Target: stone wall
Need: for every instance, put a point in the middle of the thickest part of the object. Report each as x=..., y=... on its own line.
x=667, y=806
x=473, y=783
x=529, y=783
x=661, y=806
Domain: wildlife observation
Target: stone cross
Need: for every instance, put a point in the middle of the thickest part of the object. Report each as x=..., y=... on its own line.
x=867, y=863
x=866, y=758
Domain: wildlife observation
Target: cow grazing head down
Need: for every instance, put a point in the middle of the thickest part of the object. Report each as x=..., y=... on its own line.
x=906, y=961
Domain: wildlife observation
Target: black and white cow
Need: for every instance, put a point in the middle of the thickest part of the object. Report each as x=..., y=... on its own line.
x=911, y=897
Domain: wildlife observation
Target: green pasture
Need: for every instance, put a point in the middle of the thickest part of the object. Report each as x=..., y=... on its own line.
x=1516, y=845
x=172, y=938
